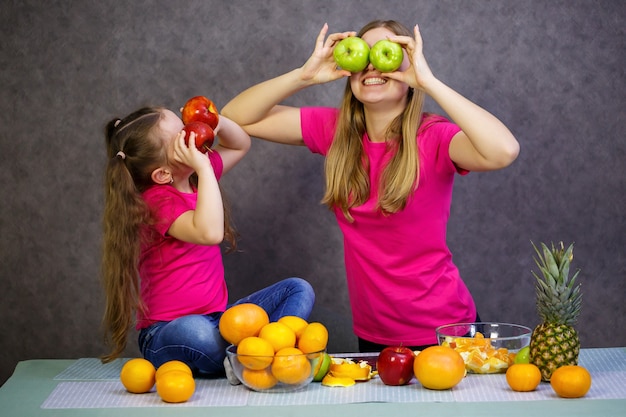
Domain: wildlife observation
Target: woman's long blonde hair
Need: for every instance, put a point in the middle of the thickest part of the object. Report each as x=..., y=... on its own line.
x=347, y=183
x=134, y=150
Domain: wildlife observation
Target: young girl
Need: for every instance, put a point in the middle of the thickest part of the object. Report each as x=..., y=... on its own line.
x=389, y=174
x=164, y=221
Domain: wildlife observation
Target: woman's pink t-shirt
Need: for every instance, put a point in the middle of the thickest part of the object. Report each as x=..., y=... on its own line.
x=178, y=278
x=401, y=279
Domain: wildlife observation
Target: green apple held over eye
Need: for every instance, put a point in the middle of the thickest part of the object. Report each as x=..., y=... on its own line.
x=352, y=54
x=386, y=56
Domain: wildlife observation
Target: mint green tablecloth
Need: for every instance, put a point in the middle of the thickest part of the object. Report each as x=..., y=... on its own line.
x=40, y=387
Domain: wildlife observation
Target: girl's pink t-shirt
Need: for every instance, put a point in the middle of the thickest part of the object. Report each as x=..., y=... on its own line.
x=178, y=278
x=401, y=279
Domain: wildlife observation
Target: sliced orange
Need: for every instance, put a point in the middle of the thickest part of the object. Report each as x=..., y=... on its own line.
x=347, y=368
x=333, y=381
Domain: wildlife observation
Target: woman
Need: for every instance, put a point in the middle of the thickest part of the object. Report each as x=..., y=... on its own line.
x=389, y=173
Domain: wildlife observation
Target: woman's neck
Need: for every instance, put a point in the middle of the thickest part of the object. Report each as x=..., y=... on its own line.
x=377, y=123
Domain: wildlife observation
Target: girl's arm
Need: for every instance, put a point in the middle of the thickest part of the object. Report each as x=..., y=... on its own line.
x=205, y=224
x=484, y=142
x=258, y=108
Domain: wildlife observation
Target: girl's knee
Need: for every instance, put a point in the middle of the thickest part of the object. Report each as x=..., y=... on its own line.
x=301, y=285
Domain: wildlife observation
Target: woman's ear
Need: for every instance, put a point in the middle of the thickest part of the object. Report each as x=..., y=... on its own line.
x=162, y=176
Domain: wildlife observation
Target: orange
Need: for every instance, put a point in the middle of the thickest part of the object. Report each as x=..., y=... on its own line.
x=255, y=353
x=259, y=379
x=439, y=367
x=347, y=368
x=291, y=366
x=314, y=338
x=241, y=321
x=333, y=381
x=171, y=366
x=295, y=323
x=279, y=335
x=138, y=375
x=175, y=386
x=570, y=381
x=523, y=377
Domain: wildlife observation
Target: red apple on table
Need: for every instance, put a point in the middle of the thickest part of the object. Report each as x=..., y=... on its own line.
x=200, y=109
x=204, y=135
x=395, y=365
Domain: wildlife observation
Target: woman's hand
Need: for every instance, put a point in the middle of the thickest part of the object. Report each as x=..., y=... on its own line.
x=418, y=74
x=321, y=66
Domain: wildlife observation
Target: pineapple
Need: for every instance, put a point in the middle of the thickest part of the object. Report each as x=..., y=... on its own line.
x=555, y=342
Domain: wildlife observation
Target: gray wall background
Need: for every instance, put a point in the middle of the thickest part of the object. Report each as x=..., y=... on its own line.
x=553, y=71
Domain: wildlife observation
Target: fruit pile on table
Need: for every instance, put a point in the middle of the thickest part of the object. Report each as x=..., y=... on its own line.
x=293, y=351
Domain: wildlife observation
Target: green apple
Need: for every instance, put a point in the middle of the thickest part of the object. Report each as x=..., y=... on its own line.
x=523, y=356
x=386, y=56
x=321, y=365
x=352, y=54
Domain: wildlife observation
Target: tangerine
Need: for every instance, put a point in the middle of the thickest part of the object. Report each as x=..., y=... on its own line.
x=259, y=379
x=138, y=375
x=314, y=338
x=297, y=324
x=279, y=335
x=241, y=321
x=523, y=377
x=570, y=381
x=291, y=366
x=255, y=353
x=175, y=386
x=439, y=367
x=171, y=366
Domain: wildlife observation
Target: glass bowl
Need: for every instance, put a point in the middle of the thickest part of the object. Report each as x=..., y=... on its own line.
x=486, y=347
x=274, y=373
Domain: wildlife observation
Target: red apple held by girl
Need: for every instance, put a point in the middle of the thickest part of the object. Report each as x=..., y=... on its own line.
x=395, y=365
x=200, y=109
x=204, y=135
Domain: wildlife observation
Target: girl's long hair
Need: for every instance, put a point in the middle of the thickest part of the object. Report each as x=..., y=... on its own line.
x=346, y=170
x=134, y=151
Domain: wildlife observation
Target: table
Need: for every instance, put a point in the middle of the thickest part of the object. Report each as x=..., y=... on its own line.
x=37, y=388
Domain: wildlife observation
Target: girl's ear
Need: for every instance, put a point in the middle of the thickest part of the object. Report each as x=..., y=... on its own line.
x=162, y=176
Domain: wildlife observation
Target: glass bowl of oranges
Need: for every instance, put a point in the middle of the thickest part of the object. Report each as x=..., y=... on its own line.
x=486, y=347
x=288, y=369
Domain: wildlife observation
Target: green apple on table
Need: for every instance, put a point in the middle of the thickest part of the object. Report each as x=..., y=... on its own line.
x=523, y=356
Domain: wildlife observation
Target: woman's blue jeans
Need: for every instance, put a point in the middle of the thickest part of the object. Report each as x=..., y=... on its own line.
x=196, y=339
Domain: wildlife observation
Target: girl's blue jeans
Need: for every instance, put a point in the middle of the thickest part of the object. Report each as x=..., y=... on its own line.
x=196, y=339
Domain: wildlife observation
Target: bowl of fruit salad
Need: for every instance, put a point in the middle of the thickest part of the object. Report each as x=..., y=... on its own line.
x=486, y=347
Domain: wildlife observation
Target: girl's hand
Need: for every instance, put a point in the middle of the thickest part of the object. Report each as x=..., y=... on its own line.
x=321, y=66
x=188, y=154
x=418, y=74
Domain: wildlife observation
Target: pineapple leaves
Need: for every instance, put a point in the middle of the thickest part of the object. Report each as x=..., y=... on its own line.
x=558, y=296
x=549, y=260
